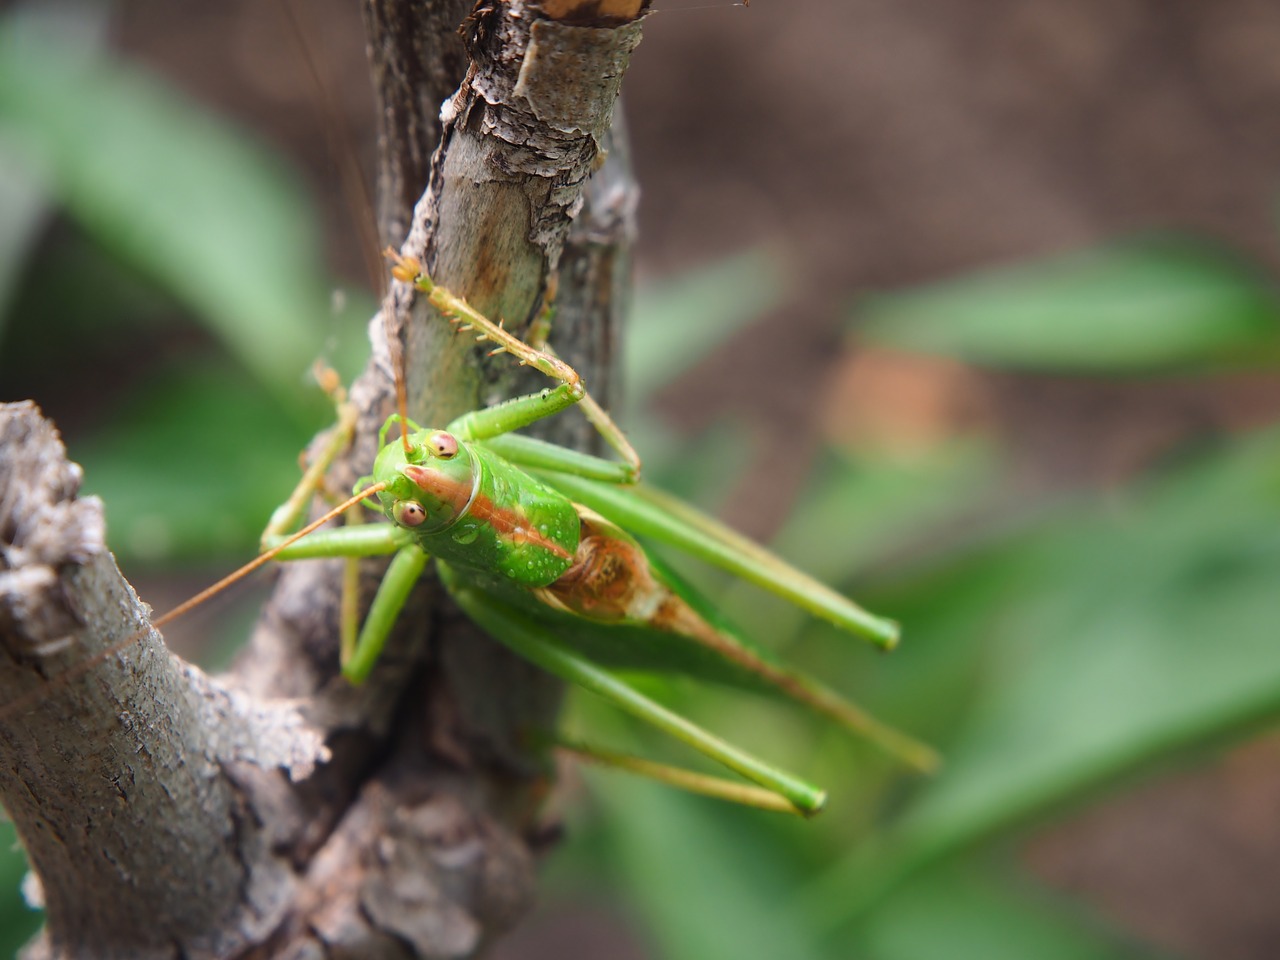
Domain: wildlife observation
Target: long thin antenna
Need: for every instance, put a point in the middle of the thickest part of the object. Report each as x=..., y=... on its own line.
x=402, y=396
x=39, y=693
x=333, y=121
x=263, y=558
x=405, y=270
x=360, y=204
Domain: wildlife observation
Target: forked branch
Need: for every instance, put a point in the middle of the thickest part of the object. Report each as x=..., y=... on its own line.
x=284, y=812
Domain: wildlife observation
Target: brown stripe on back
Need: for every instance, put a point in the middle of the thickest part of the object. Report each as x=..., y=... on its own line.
x=512, y=525
x=440, y=486
x=508, y=523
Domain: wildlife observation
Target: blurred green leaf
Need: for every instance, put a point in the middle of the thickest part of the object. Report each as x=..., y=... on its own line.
x=967, y=912
x=678, y=323
x=858, y=509
x=1163, y=304
x=192, y=466
x=18, y=922
x=173, y=191
x=26, y=207
x=1124, y=632
x=1139, y=630
x=709, y=885
x=932, y=682
x=858, y=520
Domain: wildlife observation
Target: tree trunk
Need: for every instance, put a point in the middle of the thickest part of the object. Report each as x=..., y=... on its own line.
x=279, y=811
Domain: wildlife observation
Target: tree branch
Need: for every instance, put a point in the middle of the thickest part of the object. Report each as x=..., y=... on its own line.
x=116, y=775
x=170, y=814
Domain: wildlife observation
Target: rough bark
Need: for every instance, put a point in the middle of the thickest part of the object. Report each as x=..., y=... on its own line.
x=280, y=812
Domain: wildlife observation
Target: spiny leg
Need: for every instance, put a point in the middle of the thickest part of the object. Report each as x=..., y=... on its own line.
x=349, y=600
x=651, y=513
x=540, y=330
x=393, y=592
x=363, y=540
x=822, y=699
x=286, y=516
x=410, y=270
x=513, y=414
x=536, y=644
x=596, y=415
x=537, y=336
x=534, y=454
x=369, y=540
x=657, y=601
x=743, y=794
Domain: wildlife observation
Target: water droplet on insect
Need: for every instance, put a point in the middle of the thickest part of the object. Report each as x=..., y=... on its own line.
x=466, y=533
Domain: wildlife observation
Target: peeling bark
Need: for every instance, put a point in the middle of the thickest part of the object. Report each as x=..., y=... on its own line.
x=280, y=812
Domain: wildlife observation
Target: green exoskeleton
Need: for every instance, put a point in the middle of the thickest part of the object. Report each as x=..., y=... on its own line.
x=538, y=545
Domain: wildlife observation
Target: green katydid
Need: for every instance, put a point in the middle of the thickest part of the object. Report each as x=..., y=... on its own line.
x=538, y=545
x=556, y=611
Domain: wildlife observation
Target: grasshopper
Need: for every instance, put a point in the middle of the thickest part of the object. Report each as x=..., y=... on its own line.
x=538, y=544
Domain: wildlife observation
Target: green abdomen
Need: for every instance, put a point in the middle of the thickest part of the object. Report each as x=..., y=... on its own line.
x=516, y=527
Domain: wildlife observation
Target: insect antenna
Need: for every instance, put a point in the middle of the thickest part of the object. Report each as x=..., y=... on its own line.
x=332, y=119
x=355, y=190
x=396, y=346
x=263, y=558
x=80, y=669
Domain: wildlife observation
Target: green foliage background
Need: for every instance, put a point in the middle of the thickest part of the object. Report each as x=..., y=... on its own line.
x=1063, y=647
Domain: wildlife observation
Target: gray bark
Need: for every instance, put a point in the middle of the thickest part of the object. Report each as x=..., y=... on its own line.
x=280, y=812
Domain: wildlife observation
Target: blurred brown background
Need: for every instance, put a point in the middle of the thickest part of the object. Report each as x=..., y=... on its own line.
x=875, y=144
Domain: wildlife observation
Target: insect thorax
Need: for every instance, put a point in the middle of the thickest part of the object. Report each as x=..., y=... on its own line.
x=482, y=512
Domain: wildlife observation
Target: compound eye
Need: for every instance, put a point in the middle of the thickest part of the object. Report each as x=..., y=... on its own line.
x=443, y=445
x=408, y=513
